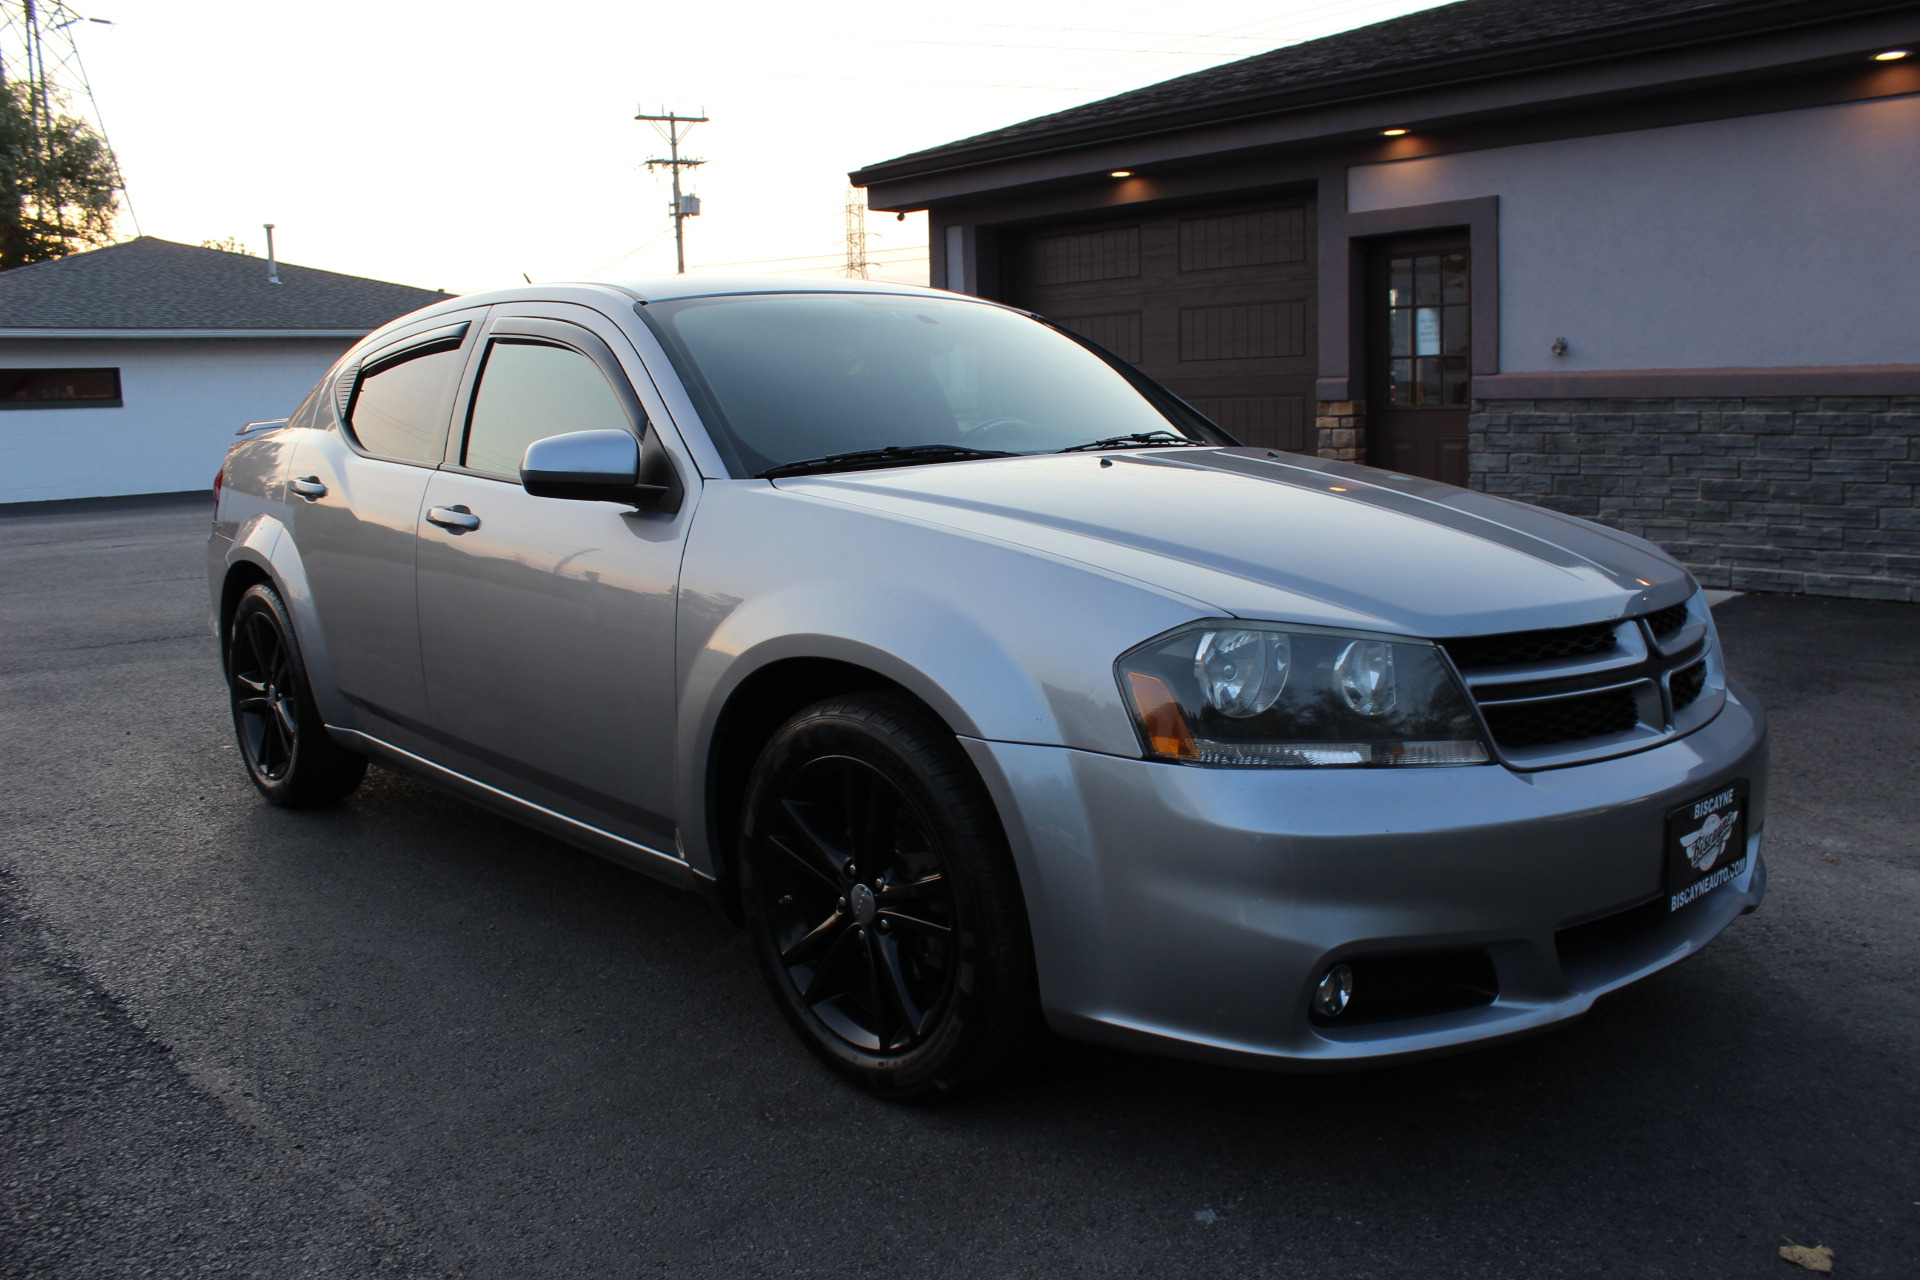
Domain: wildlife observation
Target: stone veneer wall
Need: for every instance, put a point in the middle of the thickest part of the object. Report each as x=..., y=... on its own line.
x=1341, y=430
x=1812, y=495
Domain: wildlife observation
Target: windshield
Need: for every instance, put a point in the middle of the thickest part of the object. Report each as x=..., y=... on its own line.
x=800, y=376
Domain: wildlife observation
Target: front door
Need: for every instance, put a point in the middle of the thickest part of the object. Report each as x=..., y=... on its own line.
x=1418, y=366
x=546, y=627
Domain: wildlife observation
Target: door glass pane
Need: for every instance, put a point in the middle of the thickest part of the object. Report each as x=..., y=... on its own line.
x=1426, y=331
x=1453, y=377
x=1400, y=382
x=1399, y=326
x=400, y=410
x=1429, y=382
x=529, y=392
x=1453, y=276
x=1456, y=331
x=1426, y=282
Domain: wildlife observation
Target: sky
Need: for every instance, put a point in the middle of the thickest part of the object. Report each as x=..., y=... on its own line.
x=466, y=146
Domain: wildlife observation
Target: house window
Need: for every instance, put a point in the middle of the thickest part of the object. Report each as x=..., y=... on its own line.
x=59, y=389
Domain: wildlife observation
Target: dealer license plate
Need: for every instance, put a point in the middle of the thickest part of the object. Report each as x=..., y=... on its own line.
x=1706, y=843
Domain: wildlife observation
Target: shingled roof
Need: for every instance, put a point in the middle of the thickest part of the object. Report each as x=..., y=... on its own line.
x=1472, y=39
x=153, y=284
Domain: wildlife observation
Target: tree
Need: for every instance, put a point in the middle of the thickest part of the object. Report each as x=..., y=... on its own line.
x=58, y=178
x=229, y=245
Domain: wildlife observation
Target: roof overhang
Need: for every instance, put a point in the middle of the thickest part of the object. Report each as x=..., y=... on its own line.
x=1796, y=37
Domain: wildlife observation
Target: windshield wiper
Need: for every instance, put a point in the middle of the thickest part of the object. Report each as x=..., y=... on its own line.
x=1138, y=440
x=894, y=455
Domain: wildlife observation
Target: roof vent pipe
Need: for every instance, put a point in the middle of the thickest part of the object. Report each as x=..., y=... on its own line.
x=273, y=266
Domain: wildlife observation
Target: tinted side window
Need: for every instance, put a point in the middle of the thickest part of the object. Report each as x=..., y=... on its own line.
x=531, y=391
x=400, y=409
x=312, y=412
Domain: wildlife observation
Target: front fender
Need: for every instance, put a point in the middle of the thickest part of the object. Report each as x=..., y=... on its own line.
x=840, y=623
x=264, y=541
x=1004, y=644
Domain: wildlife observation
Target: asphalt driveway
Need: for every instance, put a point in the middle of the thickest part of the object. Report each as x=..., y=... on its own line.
x=405, y=1037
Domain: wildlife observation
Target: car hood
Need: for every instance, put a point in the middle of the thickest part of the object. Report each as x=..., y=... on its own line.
x=1254, y=534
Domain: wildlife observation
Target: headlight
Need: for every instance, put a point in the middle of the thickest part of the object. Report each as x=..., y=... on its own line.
x=1249, y=693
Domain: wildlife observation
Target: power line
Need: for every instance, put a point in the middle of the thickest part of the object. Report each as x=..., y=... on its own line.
x=970, y=44
x=1072, y=31
x=817, y=257
x=683, y=206
x=628, y=254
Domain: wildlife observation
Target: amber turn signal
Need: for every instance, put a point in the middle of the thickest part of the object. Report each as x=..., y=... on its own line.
x=1160, y=714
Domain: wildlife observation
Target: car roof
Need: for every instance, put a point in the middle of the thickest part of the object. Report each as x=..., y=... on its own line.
x=662, y=288
x=670, y=288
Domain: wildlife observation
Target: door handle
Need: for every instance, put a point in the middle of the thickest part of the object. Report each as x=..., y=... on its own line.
x=453, y=519
x=308, y=487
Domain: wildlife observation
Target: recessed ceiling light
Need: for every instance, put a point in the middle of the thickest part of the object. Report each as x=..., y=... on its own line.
x=1121, y=173
x=1891, y=55
x=1393, y=133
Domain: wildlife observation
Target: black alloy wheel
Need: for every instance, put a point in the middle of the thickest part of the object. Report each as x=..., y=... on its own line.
x=882, y=902
x=288, y=752
x=862, y=910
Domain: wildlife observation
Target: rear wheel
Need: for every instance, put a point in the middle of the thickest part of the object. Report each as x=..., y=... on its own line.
x=882, y=902
x=288, y=752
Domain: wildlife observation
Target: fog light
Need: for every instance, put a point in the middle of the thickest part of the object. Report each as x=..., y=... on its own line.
x=1330, y=998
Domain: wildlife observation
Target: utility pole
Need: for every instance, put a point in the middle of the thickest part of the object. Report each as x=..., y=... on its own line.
x=683, y=206
x=856, y=234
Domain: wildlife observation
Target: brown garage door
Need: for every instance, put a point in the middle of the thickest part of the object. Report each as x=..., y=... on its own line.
x=1216, y=303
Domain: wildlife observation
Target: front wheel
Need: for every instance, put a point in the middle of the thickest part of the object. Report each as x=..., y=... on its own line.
x=287, y=750
x=882, y=903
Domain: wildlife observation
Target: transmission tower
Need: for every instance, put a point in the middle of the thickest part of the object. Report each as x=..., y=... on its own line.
x=856, y=234
x=37, y=35
x=669, y=126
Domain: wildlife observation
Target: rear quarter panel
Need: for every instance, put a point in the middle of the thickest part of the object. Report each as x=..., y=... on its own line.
x=249, y=527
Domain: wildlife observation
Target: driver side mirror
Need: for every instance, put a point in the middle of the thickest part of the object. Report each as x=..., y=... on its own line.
x=601, y=466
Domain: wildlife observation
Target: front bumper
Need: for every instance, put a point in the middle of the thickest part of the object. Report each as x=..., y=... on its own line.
x=1190, y=910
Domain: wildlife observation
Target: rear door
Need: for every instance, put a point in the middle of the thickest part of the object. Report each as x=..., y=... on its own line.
x=354, y=490
x=546, y=623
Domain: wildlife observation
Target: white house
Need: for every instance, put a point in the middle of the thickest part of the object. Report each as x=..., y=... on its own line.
x=128, y=369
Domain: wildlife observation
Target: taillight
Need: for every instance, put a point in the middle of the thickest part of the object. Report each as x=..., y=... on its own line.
x=219, y=483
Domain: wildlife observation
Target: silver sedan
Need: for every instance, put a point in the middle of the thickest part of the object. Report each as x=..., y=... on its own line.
x=989, y=686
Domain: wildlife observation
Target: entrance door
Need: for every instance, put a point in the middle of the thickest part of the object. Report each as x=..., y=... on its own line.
x=1418, y=369
x=1216, y=304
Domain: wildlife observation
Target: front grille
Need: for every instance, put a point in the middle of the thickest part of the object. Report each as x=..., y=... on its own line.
x=1665, y=622
x=1480, y=652
x=1556, y=697
x=1687, y=683
x=1542, y=724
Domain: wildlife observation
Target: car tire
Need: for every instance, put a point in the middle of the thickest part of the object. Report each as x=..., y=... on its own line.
x=285, y=745
x=883, y=904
